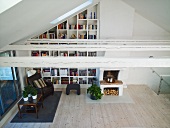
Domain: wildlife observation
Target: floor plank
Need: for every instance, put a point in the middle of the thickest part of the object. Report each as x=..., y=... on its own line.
x=149, y=110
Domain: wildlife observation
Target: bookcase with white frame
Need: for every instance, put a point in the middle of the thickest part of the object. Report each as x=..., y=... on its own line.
x=63, y=76
x=83, y=25
x=60, y=76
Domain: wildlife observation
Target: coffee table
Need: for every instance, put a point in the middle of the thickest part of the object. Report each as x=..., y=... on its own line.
x=30, y=107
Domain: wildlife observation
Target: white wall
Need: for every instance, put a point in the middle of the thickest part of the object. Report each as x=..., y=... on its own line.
x=116, y=19
x=145, y=29
x=146, y=54
x=145, y=76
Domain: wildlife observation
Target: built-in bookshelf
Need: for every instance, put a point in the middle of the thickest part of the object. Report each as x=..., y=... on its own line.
x=58, y=53
x=61, y=76
x=83, y=25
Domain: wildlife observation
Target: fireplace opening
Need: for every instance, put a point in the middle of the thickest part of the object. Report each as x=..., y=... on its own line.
x=110, y=75
x=111, y=91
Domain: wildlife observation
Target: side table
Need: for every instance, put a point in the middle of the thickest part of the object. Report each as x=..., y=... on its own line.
x=30, y=107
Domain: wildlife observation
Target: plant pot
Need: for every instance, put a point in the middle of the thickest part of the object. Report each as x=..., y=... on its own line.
x=30, y=99
x=34, y=97
x=93, y=97
x=25, y=99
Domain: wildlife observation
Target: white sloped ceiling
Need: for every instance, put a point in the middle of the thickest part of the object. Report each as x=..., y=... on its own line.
x=157, y=11
x=31, y=17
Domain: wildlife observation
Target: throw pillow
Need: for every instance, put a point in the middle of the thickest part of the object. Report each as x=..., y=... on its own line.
x=37, y=84
x=41, y=81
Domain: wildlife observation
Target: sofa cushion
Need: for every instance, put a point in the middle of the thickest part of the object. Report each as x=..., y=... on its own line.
x=37, y=84
x=42, y=83
x=31, y=79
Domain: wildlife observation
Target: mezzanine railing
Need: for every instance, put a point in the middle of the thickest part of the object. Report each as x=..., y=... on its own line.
x=161, y=81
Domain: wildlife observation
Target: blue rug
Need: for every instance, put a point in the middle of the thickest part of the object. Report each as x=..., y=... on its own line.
x=45, y=114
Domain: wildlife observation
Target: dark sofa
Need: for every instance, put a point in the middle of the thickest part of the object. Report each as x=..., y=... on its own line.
x=45, y=91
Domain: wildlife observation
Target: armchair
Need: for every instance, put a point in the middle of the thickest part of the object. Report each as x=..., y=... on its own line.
x=45, y=91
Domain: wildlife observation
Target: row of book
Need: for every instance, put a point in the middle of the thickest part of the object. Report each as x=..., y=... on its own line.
x=92, y=72
x=92, y=27
x=92, y=36
x=82, y=53
x=62, y=25
x=54, y=72
x=82, y=36
x=46, y=53
x=73, y=26
x=49, y=35
x=73, y=72
x=92, y=54
x=62, y=36
x=84, y=15
x=83, y=73
x=84, y=27
x=63, y=72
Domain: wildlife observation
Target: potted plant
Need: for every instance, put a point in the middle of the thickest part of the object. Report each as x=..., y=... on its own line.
x=28, y=89
x=25, y=95
x=29, y=92
x=95, y=92
x=33, y=92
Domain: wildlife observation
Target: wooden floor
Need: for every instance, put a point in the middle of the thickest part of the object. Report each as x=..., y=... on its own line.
x=148, y=111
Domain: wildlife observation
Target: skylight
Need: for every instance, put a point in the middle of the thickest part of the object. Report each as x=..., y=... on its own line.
x=72, y=12
x=6, y=4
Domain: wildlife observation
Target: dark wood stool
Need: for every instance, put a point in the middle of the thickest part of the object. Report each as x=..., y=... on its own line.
x=73, y=87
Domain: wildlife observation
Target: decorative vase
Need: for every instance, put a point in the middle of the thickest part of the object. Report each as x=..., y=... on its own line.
x=34, y=97
x=25, y=99
x=30, y=98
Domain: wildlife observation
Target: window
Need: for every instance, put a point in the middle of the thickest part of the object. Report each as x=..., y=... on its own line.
x=10, y=88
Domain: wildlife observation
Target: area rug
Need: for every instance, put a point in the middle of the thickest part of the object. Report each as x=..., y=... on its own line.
x=126, y=98
x=45, y=114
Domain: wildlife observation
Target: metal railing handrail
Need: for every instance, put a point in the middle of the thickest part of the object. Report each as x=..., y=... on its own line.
x=161, y=79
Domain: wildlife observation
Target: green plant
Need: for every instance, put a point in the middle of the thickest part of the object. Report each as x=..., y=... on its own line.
x=33, y=91
x=25, y=94
x=30, y=90
x=95, y=91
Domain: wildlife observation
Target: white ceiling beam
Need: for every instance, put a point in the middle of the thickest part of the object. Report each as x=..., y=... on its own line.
x=97, y=41
x=89, y=47
x=93, y=62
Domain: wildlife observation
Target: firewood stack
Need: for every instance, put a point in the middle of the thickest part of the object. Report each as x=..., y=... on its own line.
x=111, y=92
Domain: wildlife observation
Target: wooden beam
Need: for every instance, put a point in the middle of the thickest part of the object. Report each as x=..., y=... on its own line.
x=83, y=62
x=89, y=47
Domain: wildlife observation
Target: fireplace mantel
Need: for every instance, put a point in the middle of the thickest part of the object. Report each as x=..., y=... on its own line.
x=123, y=74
